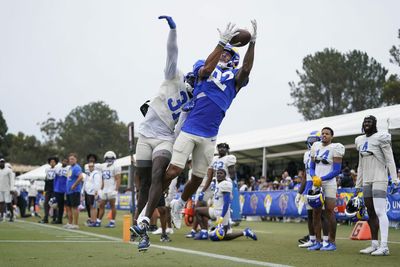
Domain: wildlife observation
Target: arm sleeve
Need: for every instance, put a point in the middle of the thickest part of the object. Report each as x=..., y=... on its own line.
x=388, y=153
x=312, y=168
x=227, y=200
x=172, y=56
x=337, y=167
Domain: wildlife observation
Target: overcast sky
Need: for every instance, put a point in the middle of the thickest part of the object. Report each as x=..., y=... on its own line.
x=56, y=55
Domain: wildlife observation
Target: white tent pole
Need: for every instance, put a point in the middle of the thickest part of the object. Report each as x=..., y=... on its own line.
x=264, y=162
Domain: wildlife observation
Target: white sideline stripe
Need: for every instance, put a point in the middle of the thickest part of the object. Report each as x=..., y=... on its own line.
x=57, y=241
x=344, y=238
x=206, y=254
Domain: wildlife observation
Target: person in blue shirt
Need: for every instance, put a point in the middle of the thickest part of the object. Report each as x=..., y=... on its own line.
x=74, y=186
x=218, y=82
x=60, y=187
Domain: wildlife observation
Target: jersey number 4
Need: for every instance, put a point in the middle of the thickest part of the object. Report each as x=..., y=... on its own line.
x=218, y=78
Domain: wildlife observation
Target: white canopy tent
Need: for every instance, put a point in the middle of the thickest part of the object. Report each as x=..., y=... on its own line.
x=287, y=140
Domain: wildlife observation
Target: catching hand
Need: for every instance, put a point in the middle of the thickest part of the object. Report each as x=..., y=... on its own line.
x=226, y=36
x=254, y=32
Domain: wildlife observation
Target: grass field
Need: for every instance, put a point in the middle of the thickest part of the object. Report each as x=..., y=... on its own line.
x=27, y=243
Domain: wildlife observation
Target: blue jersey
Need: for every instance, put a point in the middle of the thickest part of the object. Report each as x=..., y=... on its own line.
x=73, y=174
x=60, y=182
x=214, y=96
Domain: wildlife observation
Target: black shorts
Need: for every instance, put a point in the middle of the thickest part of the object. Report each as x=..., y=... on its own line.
x=73, y=200
x=89, y=200
x=161, y=202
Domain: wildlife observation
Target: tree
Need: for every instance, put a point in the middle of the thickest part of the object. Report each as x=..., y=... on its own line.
x=334, y=83
x=395, y=52
x=92, y=128
x=391, y=91
x=3, y=134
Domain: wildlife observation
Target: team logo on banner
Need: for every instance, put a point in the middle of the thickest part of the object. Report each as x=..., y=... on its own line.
x=267, y=203
x=301, y=204
x=253, y=203
x=241, y=201
x=283, y=203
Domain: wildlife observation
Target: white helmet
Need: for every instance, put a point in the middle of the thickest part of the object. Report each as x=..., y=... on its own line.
x=110, y=156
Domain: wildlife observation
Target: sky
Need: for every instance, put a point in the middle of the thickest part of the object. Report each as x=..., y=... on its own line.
x=57, y=55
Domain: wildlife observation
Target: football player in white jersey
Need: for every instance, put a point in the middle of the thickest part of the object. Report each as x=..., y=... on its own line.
x=375, y=161
x=326, y=164
x=220, y=211
x=306, y=185
x=156, y=132
x=205, y=191
x=111, y=175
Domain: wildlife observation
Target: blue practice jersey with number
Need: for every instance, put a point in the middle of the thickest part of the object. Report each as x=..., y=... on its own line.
x=214, y=96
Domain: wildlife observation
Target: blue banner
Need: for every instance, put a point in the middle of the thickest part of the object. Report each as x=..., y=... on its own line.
x=282, y=204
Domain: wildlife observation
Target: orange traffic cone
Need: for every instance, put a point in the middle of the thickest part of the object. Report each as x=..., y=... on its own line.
x=361, y=231
x=109, y=215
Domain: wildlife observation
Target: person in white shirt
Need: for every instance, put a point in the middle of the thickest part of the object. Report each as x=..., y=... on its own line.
x=32, y=194
x=111, y=175
x=91, y=186
x=7, y=184
x=375, y=163
x=325, y=165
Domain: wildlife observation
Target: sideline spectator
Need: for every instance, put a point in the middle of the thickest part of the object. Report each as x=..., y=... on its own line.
x=6, y=189
x=345, y=179
x=49, y=188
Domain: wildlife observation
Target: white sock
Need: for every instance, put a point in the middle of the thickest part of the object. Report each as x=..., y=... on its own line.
x=112, y=221
x=380, y=210
x=142, y=213
x=374, y=243
x=312, y=238
x=98, y=220
x=325, y=240
x=204, y=230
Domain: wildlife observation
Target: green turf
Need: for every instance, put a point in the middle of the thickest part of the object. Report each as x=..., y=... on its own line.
x=277, y=244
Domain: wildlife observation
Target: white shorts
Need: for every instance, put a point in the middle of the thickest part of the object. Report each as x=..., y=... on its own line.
x=215, y=214
x=208, y=194
x=329, y=190
x=5, y=196
x=149, y=148
x=201, y=148
x=108, y=195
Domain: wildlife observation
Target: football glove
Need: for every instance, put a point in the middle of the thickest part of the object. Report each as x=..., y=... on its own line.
x=219, y=220
x=170, y=21
x=317, y=181
x=254, y=32
x=226, y=36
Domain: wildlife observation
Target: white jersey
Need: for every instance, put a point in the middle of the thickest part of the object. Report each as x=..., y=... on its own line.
x=220, y=188
x=6, y=180
x=97, y=167
x=307, y=161
x=63, y=171
x=323, y=156
x=32, y=190
x=223, y=163
x=375, y=158
x=108, y=174
x=51, y=173
x=92, y=182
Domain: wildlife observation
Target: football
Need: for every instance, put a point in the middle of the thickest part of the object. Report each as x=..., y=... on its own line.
x=242, y=39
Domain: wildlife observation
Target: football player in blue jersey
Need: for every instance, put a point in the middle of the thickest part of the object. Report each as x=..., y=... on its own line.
x=218, y=82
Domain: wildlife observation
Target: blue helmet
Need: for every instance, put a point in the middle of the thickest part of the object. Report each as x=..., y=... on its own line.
x=313, y=137
x=315, y=197
x=217, y=234
x=234, y=61
x=355, y=208
x=53, y=203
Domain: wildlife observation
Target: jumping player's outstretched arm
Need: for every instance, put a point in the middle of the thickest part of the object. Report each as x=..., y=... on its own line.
x=244, y=72
x=172, y=50
x=212, y=60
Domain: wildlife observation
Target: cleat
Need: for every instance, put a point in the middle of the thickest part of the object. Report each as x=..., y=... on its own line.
x=201, y=235
x=139, y=229
x=369, y=250
x=67, y=226
x=157, y=232
x=316, y=246
x=308, y=244
x=110, y=225
x=304, y=239
x=176, y=213
x=43, y=221
x=169, y=231
x=144, y=243
x=249, y=233
x=165, y=238
x=381, y=251
x=191, y=234
x=74, y=227
x=329, y=247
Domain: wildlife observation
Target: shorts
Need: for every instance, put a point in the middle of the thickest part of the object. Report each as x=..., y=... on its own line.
x=73, y=200
x=208, y=194
x=89, y=200
x=109, y=195
x=329, y=190
x=5, y=196
x=216, y=213
x=149, y=148
x=375, y=189
x=201, y=148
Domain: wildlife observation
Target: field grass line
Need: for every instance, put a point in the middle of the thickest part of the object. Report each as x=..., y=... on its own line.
x=58, y=241
x=188, y=251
